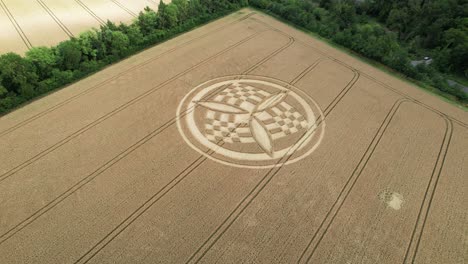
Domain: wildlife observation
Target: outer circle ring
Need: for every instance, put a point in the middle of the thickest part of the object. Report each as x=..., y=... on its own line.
x=180, y=117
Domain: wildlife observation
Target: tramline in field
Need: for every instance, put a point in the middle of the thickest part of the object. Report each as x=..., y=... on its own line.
x=244, y=140
x=47, y=22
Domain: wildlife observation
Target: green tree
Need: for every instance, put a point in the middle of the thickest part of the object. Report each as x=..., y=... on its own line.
x=69, y=55
x=45, y=69
x=134, y=34
x=183, y=8
x=147, y=21
x=3, y=91
x=168, y=15
x=88, y=41
x=398, y=20
x=17, y=75
x=119, y=43
x=344, y=12
x=456, y=41
x=44, y=59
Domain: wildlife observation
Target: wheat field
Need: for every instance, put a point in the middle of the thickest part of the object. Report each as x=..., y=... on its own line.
x=244, y=140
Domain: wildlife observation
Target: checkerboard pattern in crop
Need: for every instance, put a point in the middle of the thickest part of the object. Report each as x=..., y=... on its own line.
x=280, y=120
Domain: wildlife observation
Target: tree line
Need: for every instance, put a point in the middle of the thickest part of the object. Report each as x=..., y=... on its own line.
x=392, y=32
x=44, y=69
x=389, y=31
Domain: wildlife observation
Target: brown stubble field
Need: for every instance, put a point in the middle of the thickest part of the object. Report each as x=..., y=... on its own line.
x=100, y=172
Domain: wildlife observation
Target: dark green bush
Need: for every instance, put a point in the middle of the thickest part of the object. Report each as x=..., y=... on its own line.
x=390, y=32
x=45, y=69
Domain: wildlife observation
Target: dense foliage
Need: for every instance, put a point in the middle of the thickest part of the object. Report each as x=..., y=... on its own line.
x=393, y=32
x=44, y=69
x=437, y=25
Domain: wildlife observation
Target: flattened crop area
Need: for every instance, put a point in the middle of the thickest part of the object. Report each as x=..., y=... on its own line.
x=29, y=23
x=244, y=140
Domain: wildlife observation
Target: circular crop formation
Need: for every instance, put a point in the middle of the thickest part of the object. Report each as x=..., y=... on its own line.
x=250, y=121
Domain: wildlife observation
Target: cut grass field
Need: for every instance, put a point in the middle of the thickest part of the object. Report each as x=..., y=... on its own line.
x=25, y=24
x=106, y=171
